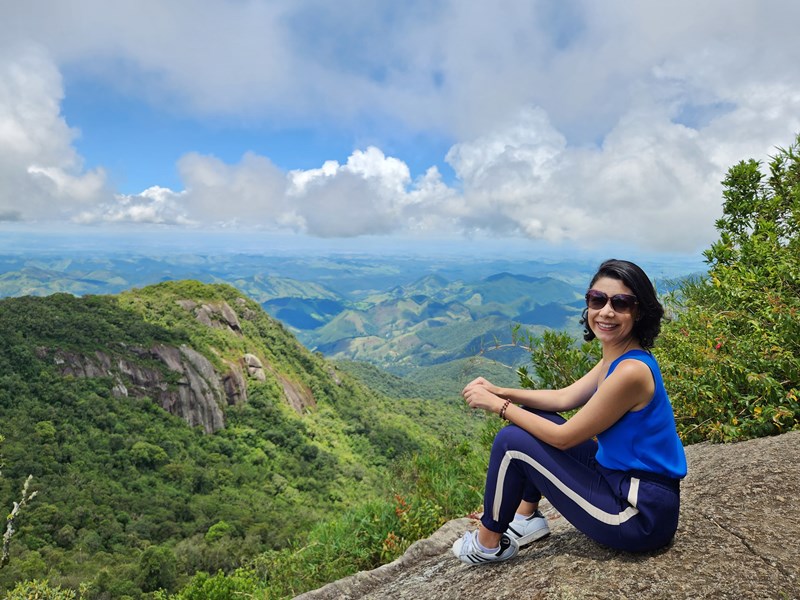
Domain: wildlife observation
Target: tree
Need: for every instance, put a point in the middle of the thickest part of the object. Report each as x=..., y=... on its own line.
x=40, y=590
x=731, y=354
x=557, y=360
x=157, y=569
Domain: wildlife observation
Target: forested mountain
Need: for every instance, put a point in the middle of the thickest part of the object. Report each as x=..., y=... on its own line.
x=431, y=321
x=401, y=313
x=180, y=425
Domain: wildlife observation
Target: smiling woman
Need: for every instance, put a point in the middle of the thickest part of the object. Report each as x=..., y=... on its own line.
x=613, y=470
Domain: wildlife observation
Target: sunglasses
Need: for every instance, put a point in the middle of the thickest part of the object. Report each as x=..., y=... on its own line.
x=621, y=303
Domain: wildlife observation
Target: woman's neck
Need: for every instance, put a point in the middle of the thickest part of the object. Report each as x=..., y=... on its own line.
x=613, y=352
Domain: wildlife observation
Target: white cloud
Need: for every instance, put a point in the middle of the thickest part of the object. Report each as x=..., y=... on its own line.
x=41, y=175
x=364, y=196
x=252, y=192
x=155, y=205
x=571, y=122
x=458, y=66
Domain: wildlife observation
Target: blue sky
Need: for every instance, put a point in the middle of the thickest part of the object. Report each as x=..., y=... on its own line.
x=140, y=144
x=562, y=124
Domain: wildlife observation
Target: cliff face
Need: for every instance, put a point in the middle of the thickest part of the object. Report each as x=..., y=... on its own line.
x=180, y=379
x=737, y=538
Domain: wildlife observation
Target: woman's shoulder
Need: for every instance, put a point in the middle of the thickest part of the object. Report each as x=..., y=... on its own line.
x=634, y=357
x=637, y=364
x=632, y=368
x=638, y=379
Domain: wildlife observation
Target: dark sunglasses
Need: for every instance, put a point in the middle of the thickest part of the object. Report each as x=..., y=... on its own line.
x=621, y=303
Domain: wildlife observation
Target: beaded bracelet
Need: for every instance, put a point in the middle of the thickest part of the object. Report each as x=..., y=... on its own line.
x=503, y=410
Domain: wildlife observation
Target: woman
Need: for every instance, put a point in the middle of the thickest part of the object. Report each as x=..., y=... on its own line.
x=613, y=469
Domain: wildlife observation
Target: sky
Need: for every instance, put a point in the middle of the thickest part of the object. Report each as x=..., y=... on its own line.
x=555, y=123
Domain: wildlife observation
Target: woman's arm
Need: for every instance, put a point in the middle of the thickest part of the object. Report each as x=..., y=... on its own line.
x=567, y=398
x=630, y=385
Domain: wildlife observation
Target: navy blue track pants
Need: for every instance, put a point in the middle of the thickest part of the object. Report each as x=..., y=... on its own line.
x=627, y=510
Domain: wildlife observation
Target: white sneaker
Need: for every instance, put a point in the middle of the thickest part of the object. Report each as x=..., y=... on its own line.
x=466, y=549
x=531, y=529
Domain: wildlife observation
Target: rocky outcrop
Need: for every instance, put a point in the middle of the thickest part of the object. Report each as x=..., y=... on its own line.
x=254, y=366
x=189, y=387
x=297, y=395
x=198, y=396
x=218, y=315
x=738, y=538
x=234, y=384
x=182, y=380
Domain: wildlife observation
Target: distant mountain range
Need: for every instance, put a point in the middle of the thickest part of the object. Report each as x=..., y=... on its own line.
x=399, y=313
x=431, y=320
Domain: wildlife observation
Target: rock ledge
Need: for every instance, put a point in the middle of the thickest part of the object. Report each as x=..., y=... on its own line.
x=738, y=537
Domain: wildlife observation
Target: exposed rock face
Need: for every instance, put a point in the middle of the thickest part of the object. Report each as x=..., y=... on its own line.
x=215, y=314
x=738, y=538
x=254, y=367
x=199, y=394
x=298, y=395
x=196, y=396
x=191, y=388
x=234, y=384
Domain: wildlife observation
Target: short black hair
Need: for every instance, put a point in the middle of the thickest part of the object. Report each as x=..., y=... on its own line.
x=649, y=310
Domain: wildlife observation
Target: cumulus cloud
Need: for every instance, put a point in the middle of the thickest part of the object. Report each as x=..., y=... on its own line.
x=155, y=205
x=653, y=182
x=364, y=196
x=569, y=122
x=251, y=192
x=41, y=173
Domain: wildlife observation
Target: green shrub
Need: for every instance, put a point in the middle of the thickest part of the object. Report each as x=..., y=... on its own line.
x=157, y=569
x=40, y=590
x=731, y=354
x=215, y=587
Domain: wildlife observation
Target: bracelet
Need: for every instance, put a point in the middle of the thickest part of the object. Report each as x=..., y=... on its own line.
x=503, y=410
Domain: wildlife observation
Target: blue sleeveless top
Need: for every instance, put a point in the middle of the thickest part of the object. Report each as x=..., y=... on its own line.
x=646, y=439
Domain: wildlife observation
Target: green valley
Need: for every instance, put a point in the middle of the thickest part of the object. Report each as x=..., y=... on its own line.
x=179, y=421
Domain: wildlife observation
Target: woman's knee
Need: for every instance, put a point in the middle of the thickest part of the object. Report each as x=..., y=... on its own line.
x=512, y=437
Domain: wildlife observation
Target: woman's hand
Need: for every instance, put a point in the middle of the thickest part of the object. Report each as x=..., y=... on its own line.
x=479, y=394
x=482, y=382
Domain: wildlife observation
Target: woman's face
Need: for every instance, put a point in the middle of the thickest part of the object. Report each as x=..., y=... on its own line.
x=611, y=326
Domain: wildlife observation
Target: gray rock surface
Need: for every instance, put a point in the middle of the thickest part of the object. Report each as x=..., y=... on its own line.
x=197, y=394
x=194, y=390
x=298, y=395
x=739, y=537
x=218, y=315
x=255, y=368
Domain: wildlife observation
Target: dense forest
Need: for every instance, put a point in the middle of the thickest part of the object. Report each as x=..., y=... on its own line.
x=122, y=483
x=133, y=502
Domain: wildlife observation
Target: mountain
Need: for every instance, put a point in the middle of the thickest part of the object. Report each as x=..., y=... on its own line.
x=267, y=288
x=179, y=417
x=433, y=321
x=400, y=313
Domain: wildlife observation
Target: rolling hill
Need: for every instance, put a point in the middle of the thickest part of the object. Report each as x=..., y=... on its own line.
x=432, y=320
